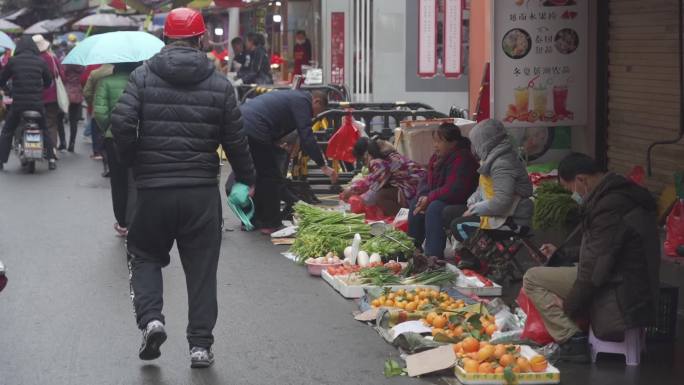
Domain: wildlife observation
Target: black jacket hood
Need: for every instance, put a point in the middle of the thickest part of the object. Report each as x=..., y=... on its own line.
x=182, y=65
x=26, y=45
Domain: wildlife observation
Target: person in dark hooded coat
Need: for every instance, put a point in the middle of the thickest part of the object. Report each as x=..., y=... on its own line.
x=616, y=281
x=30, y=76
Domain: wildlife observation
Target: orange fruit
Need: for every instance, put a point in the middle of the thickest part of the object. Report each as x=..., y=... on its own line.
x=439, y=322
x=538, y=364
x=499, y=370
x=458, y=331
x=458, y=348
x=485, y=368
x=423, y=295
x=401, y=305
x=490, y=329
x=485, y=353
x=430, y=317
x=376, y=303
x=410, y=297
x=392, y=296
x=516, y=369
x=411, y=306
x=506, y=360
x=471, y=345
x=470, y=366
x=499, y=351
x=389, y=303
x=436, y=331
x=523, y=364
x=382, y=298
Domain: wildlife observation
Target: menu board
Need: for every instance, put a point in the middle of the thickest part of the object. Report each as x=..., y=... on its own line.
x=540, y=62
x=427, y=38
x=453, y=36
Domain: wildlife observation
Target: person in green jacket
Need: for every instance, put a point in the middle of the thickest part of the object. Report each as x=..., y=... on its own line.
x=107, y=94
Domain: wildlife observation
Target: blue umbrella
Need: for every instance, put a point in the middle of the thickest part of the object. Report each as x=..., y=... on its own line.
x=6, y=41
x=114, y=47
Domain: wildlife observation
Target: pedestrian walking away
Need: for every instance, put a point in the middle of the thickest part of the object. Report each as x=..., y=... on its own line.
x=168, y=124
x=109, y=90
x=30, y=75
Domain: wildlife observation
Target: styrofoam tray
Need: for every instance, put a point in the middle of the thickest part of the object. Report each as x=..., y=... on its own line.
x=550, y=376
x=493, y=291
x=358, y=291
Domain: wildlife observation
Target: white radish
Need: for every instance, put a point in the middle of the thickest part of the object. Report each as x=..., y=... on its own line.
x=375, y=258
x=363, y=259
x=348, y=252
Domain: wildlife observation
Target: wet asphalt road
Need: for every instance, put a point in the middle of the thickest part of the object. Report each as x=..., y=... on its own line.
x=66, y=316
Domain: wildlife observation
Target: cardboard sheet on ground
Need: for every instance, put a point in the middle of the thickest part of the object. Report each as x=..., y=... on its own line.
x=369, y=315
x=430, y=361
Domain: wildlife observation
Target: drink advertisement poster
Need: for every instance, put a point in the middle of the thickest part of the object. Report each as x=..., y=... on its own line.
x=540, y=62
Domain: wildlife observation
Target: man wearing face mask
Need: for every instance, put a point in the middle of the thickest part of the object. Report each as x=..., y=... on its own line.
x=616, y=281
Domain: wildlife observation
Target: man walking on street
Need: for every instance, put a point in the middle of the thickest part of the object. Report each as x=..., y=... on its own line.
x=168, y=124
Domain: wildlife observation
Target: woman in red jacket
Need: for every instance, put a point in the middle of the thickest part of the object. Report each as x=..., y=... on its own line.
x=452, y=178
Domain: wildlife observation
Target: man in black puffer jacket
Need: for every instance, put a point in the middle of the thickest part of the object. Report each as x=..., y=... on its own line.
x=29, y=75
x=168, y=124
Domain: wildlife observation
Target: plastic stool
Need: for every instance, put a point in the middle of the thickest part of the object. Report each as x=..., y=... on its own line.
x=631, y=347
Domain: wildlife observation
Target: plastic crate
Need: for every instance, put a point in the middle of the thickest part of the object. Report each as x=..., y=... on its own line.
x=665, y=327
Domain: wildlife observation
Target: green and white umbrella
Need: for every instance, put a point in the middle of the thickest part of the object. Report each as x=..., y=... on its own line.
x=114, y=47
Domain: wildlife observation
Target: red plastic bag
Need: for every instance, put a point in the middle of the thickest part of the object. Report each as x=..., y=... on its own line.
x=534, y=326
x=675, y=231
x=356, y=205
x=341, y=145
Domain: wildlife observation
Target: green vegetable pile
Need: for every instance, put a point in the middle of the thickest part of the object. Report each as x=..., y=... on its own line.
x=554, y=207
x=387, y=247
x=307, y=215
x=323, y=231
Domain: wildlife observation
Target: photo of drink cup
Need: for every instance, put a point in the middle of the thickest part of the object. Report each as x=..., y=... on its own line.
x=560, y=100
x=522, y=99
x=539, y=100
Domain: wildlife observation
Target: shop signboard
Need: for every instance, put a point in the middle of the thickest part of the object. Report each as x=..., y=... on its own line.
x=337, y=44
x=453, y=38
x=540, y=63
x=427, y=38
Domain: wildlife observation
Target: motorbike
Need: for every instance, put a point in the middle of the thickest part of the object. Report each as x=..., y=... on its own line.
x=29, y=141
x=3, y=276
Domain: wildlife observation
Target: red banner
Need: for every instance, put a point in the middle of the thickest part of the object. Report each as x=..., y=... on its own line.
x=229, y=3
x=337, y=44
x=453, y=38
x=427, y=38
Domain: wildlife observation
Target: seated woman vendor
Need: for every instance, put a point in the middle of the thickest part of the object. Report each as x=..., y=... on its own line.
x=392, y=181
x=502, y=200
x=452, y=177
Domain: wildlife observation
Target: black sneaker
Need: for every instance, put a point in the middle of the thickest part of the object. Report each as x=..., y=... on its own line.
x=154, y=336
x=52, y=165
x=71, y=147
x=576, y=349
x=201, y=358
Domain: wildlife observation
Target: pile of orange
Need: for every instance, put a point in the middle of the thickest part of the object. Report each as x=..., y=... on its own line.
x=441, y=325
x=484, y=358
x=419, y=299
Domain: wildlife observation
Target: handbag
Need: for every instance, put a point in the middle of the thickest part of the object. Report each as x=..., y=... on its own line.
x=62, y=95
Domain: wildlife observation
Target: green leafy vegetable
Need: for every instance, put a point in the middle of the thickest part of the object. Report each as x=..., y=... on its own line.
x=553, y=207
x=393, y=368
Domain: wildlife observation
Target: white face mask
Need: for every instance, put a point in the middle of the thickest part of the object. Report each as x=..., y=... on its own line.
x=576, y=196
